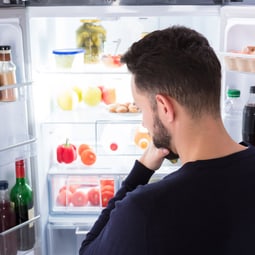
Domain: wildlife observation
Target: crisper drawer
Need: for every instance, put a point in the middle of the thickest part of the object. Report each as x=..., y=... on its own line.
x=10, y=240
x=80, y=193
x=64, y=239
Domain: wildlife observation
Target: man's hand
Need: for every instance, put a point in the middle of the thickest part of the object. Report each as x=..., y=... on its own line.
x=153, y=157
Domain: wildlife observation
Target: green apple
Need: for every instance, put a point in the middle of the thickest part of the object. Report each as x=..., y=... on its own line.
x=67, y=100
x=92, y=96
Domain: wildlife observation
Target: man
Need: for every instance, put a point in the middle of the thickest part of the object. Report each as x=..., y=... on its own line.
x=207, y=207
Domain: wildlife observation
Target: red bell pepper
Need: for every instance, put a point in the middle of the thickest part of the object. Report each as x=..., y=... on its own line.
x=66, y=153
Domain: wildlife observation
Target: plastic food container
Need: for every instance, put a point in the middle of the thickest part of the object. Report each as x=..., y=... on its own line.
x=65, y=57
x=112, y=60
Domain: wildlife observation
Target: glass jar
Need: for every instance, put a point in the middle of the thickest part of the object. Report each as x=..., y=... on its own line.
x=91, y=36
x=7, y=74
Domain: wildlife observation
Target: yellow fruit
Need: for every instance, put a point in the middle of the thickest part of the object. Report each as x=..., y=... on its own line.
x=78, y=91
x=67, y=100
x=92, y=96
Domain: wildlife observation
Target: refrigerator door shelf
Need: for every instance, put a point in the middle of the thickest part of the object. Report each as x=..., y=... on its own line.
x=240, y=62
x=16, y=128
x=8, y=238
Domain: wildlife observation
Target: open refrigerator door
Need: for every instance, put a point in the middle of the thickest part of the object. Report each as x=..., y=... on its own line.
x=17, y=128
x=237, y=48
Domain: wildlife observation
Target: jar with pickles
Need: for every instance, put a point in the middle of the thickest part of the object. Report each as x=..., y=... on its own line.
x=91, y=36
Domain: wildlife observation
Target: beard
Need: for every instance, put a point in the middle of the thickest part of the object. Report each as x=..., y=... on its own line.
x=161, y=137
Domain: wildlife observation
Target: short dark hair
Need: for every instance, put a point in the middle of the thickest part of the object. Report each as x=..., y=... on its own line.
x=178, y=62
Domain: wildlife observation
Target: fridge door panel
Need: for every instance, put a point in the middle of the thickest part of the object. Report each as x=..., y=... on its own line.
x=236, y=47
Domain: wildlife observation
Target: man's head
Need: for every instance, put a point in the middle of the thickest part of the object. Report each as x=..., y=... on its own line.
x=176, y=63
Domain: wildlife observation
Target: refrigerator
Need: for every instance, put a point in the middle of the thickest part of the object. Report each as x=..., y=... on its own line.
x=54, y=73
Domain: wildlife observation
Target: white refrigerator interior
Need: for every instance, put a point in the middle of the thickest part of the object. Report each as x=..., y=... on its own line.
x=111, y=135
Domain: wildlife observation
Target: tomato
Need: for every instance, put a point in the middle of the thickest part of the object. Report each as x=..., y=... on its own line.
x=64, y=197
x=106, y=196
x=71, y=187
x=107, y=188
x=93, y=196
x=88, y=157
x=83, y=147
x=104, y=182
x=79, y=198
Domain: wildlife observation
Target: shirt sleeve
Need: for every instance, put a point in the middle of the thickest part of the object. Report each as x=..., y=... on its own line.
x=139, y=175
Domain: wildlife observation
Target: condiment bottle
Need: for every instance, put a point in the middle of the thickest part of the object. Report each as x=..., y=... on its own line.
x=142, y=137
x=8, y=241
x=22, y=197
x=248, y=129
x=7, y=74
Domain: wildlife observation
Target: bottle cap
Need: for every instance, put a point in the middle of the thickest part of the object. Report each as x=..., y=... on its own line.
x=20, y=171
x=252, y=89
x=5, y=47
x=234, y=93
x=3, y=184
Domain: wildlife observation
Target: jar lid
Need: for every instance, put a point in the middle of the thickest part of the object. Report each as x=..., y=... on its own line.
x=3, y=184
x=252, y=89
x=5, y=47
x=234, y=93
x=67, y=51
x=90, y=20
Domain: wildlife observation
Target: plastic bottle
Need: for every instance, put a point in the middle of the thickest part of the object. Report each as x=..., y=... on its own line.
x=7, y=74
x=248, y=129
x=22, y=197
x=232, y=117
x=8, y=242
x=142, y=137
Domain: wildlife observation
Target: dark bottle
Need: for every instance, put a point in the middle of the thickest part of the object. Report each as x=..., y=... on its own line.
x=8, y=241
x=22, y=197
x=248, y=129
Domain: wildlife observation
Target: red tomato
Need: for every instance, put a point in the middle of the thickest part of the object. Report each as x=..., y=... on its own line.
x=104, y=182
x=106, y=196
x=72, y=187
x=64, y=197
x=79, y=198
x=107, y=188
x=93, y=196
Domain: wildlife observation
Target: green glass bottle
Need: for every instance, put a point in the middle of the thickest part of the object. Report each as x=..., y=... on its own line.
x=22, y=197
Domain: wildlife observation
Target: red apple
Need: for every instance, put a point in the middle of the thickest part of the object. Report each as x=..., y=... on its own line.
x=109, y=95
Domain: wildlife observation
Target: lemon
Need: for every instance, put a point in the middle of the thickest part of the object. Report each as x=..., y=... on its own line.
x=67, y=100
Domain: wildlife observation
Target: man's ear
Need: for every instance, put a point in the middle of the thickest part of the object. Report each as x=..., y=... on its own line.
x=165, y=107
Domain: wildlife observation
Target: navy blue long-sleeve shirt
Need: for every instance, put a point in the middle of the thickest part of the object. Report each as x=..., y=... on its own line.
x=206, y=207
